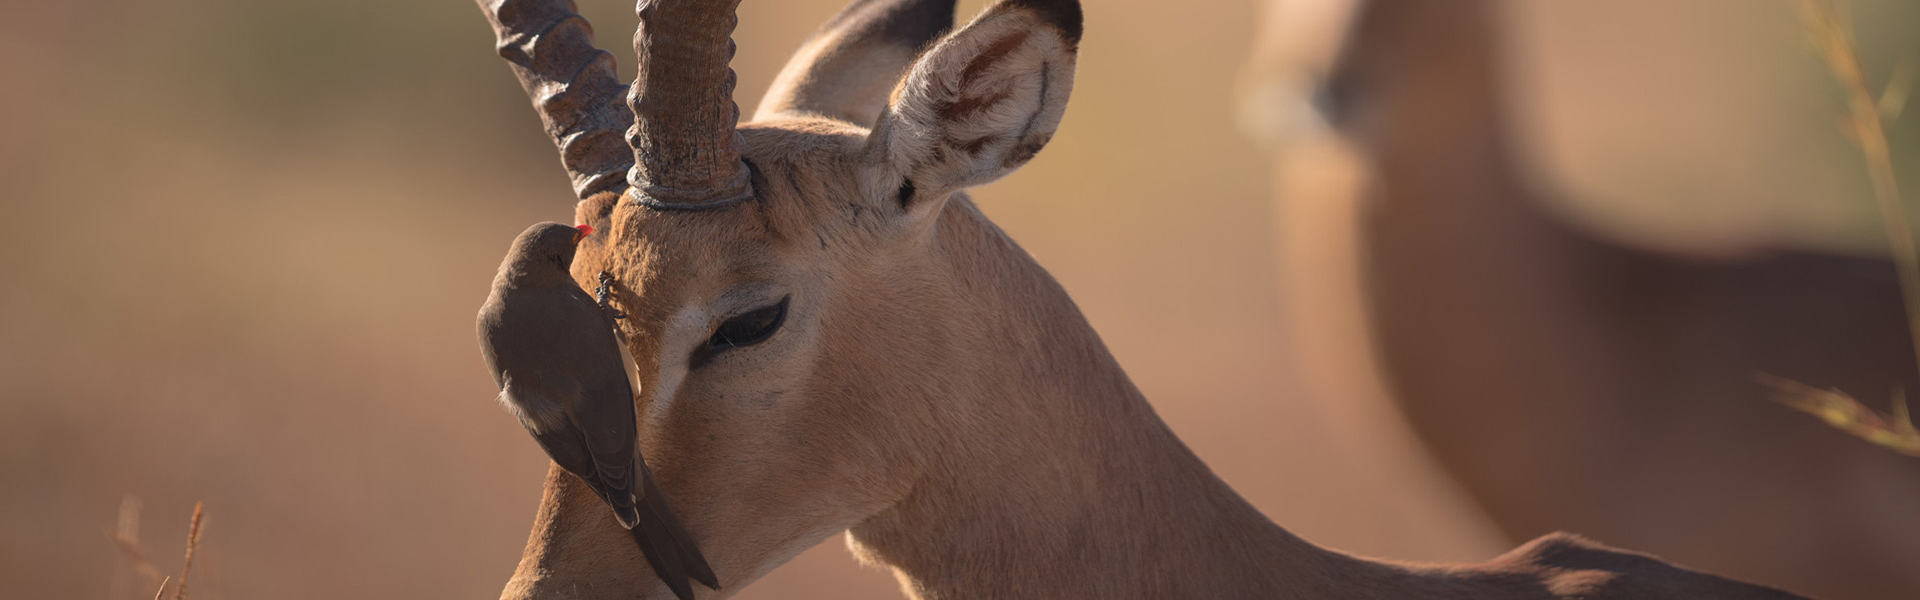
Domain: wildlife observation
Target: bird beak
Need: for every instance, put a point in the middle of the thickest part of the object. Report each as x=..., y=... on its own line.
x=585, y=230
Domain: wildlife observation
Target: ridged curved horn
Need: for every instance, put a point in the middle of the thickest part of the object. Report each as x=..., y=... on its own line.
x=685, y=149
x=573, y=85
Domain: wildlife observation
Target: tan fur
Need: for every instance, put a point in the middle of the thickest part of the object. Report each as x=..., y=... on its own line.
x=935, y=393
x=1572, y=382
x=875, y=67
x=979, y=105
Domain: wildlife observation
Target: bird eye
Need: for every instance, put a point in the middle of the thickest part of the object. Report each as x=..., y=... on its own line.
x=751, y=328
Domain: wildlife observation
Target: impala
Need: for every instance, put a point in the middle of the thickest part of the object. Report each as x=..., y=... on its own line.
x=927, y=388
x=1571, y=381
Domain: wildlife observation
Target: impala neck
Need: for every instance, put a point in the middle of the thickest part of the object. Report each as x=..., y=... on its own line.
x=1055, y=479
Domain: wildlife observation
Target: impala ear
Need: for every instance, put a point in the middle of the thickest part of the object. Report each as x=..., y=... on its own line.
x=982, y=102
x=847, y=68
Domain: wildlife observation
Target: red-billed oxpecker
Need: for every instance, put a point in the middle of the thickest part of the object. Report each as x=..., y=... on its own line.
x=556, y=356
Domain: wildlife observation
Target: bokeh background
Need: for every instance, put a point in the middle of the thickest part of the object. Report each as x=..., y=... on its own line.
x=242, y=243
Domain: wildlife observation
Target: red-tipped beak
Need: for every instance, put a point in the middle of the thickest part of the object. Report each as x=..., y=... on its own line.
x=585, y=230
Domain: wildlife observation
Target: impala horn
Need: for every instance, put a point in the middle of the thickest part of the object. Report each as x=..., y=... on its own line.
x=682, y=150
x=686, y=153
x=573, y=86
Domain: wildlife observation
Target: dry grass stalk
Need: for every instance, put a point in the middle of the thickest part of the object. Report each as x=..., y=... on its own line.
x=1835, y=39
x=1830, y=25
x=126, y=536
x=193, y=541
x=1894, y=431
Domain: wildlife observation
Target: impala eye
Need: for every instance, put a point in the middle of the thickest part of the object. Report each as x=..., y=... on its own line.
x=751, y=328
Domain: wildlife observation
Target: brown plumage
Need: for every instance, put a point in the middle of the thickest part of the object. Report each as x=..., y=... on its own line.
x=556, y=358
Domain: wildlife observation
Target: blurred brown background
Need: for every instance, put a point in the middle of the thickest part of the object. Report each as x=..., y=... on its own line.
x=1568, y=237
x=242, y=243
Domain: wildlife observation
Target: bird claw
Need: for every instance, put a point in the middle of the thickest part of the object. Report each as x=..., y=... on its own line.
x=603, y=295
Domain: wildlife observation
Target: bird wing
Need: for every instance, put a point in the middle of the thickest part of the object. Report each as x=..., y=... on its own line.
x=603, y=413
x=656, y=544
x=656, y=503
x=662, y=539
x=557, y=358
x=569, y=343
x=604, y=419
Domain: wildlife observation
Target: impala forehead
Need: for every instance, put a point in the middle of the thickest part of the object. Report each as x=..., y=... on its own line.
x=685, y=284
x=688, y=269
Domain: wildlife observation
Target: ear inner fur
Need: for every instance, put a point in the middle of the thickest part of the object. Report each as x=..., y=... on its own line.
x=983, y=101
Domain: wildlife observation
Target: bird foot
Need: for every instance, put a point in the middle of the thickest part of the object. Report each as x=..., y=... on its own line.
x=603, y=295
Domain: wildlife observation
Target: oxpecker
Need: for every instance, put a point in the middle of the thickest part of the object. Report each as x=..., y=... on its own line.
x=555, y=354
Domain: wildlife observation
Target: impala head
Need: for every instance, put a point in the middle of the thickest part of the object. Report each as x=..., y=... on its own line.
x=794, y=286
